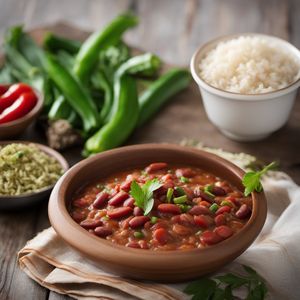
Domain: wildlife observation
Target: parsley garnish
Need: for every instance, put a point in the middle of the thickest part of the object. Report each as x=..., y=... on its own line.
x=222, y=287
x=251, y=180
x=143, y=196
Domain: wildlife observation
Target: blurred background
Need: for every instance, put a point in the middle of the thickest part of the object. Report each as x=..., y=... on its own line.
x=173, y=29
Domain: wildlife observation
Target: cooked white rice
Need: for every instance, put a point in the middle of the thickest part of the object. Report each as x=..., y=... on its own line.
x=249, y=65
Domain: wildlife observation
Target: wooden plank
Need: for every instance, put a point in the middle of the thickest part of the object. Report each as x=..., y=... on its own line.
x=15, y=229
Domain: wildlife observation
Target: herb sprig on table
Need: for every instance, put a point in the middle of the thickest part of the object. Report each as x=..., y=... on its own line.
x=222, y=287
x=251, y=180
x=143, y=195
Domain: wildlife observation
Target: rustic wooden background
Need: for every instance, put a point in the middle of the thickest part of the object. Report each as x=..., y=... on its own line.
x=173, y=29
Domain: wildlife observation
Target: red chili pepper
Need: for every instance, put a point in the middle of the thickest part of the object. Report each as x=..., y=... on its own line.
x=19, y=108
x=12, y=94
x=3, y=88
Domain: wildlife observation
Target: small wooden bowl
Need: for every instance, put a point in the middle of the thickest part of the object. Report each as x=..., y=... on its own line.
x=21, y=201
x=168, y=266
x=15, y=128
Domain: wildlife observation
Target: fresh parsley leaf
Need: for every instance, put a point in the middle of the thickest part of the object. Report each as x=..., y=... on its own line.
x=228, y=293
x=148, y=206
x=219, y=294
x=137, y=193
x=202, y=289
x=222, y=287
x=251, y=180
x=143, y=196
x=234, y=280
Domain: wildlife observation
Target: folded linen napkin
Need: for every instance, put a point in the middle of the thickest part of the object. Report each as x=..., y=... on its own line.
x=274, y=255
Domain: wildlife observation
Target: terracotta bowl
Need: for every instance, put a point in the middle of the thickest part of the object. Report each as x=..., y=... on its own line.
x=168, y=266
x=18, y=202
x=15, y=128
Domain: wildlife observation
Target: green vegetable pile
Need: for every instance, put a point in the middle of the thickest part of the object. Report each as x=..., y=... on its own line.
x=223, y=287
x=97, y=86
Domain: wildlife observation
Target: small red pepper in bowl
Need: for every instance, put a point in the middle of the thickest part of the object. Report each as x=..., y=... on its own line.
x=9, y=94
x=3, y=88
x=23, y=105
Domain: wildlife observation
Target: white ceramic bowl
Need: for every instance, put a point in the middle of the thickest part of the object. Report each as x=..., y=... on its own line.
x=245, y=117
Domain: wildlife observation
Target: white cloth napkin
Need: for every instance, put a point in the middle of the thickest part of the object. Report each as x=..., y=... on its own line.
x=274, y=255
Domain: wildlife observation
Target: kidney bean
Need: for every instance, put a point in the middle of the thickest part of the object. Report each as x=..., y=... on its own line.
x=156, y=167
x=218, y=191
x=119, y=212
x=169, y=208
x=125, y=223
x=210, y=238
x=206, y=197
x=159, y=225
x=81, y=202
x=118, y=199
x=180, y=229
x=232, y=199
x=223, y=209
x=137, y=211
x=156, y=203
x=102, y=231
x=243, y=212
x=91, y=223
x=167, y=177
x=201, y=221
x=199, y=193
x=189, y=192
x=138, y=221
x=220, y=220
x=199, y=210
x=125, y=186
x=175, y=219
x=161, y=236
x=133, y=244
x=186, y=219
x=223, y=231
x=205, y=203
x=78, y=216
x=100, y=200
x=185, y=172
x=129, y=202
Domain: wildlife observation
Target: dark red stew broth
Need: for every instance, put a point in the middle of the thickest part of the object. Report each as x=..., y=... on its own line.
x=192, y=209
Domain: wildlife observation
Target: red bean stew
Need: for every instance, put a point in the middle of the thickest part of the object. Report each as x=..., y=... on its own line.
x=162, y=207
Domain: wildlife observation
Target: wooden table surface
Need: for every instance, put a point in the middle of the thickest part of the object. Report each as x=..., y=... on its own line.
x=173, y=29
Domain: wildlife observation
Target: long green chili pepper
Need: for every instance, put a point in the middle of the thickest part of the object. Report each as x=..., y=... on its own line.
x=74, y=93
x=139, y=65
x=25, y=45
x=145, y=65
x=161, y=91
x=101, y=82
x=122, y=123
x=66, y=59
x=88, y=54
x=61, y=109
x=54, y=43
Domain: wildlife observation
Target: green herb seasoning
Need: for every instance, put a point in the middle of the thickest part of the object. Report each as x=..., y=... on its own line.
x=25, y=169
